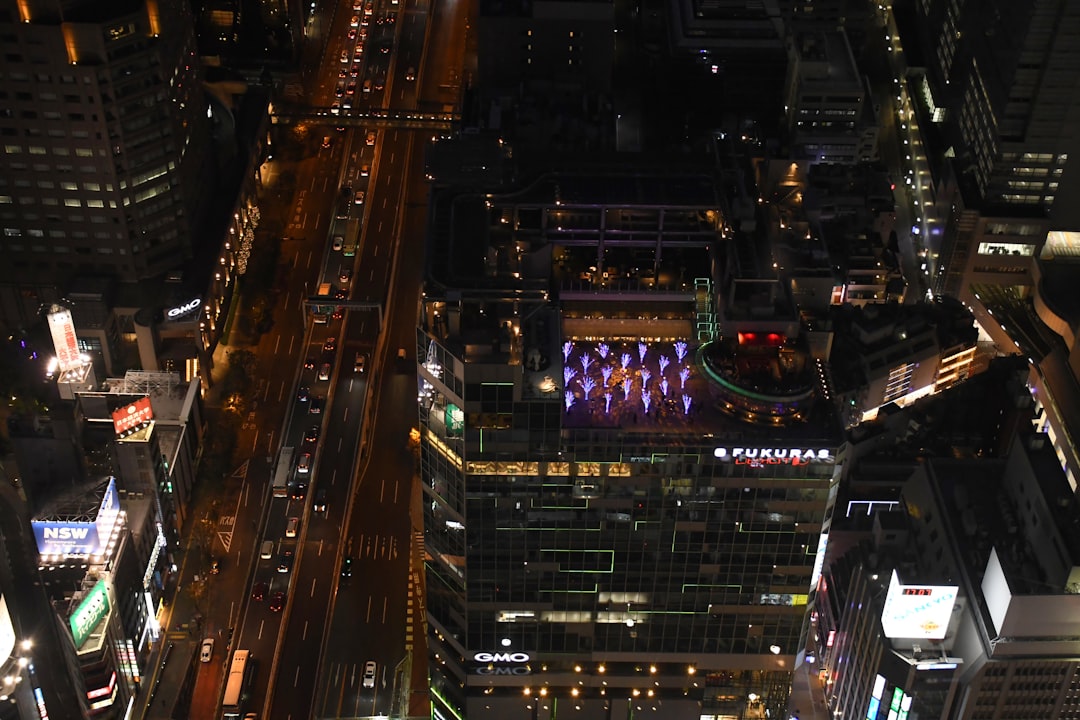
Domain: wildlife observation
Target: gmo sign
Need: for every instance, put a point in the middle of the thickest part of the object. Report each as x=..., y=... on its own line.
x=500, y=657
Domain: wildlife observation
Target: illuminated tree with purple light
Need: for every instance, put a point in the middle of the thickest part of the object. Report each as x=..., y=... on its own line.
x=686, y=404
x=625, y=360
x=645, y=375
x=606, y=372
x=607, y=403
x=646, y=399
x=568, y=374
x=588, y=383
x=567, y=348
x=568, y=398
x=664, y=387
x=664, y=362
x=602, y=349
x=684, y=374
x=680, y=350
x=586, y=361
x=626, y=385
x=642, y=348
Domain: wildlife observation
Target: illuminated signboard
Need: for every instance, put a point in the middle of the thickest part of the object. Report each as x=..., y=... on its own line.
x=132, y=416
x=62, y=329
x=91, y=611
x=57, y=537
x=917, y=611
x=500, y=657
x=774, y=456
x=7, y=630
x=181, y=311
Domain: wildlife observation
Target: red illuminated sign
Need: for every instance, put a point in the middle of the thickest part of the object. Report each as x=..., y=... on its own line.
x=132, y=416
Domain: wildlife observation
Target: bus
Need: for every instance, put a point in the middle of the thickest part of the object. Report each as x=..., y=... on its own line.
x=281, y=472
x=352, y=237
x=238, y=685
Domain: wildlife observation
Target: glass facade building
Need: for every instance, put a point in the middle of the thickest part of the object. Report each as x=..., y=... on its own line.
x=606, y=531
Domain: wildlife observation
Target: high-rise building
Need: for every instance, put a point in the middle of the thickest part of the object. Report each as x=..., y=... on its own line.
x=624, y=507
x=995, y=110
x=104, y=136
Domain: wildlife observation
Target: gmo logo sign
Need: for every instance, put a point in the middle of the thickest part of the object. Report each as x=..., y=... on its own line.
x=501, y=657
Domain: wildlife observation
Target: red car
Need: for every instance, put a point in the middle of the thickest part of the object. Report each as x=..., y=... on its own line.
x=259, y=591
x=277, y=602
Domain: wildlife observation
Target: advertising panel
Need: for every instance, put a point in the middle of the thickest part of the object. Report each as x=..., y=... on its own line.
x=132, y=416
x=7, y=631
x=62, y=329
x=182, y=310
x=917, y=611
x=56, y=537
x=91, y=611
x=108, y=512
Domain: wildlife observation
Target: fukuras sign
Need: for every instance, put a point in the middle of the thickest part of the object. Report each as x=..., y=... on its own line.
x=774, y=456
x=180, y=311
x=501, y=657
x=89, y=613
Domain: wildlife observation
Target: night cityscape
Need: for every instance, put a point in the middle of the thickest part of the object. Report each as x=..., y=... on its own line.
x=540, y=359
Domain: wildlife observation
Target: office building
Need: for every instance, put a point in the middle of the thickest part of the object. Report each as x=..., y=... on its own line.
x=105, y=142
x=993, y=110
x=623, y=506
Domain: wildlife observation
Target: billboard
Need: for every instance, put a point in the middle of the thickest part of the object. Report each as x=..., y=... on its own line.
x=58, y=537
x=62, y=329
x=132, y=416
x=917, y=611
x=7, y=631
x=91, y=611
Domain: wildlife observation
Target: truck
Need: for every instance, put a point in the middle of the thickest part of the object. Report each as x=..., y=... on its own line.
x=352, y=237
x=281, y=472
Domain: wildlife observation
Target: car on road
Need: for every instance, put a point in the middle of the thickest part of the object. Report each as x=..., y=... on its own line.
x=339, y=91
x=359, y=199
x=339, y=243
x=285, y=561
x=319, y=503
x=369, y=674
x=298, y=490
x=324, y=371
x=303, y=465
x=339, y=312
x=358, y=364
x=345, y=276
x=370, y=138
x=277, y=602
x=341, y=294
x=355, y=22
x=215, y=566
x=315, y=406
x=351, y=90
x=335, y=108
x=330, y=344
x=410, y=74
x=344, y=56
x=258, y=592
x=207, y=650
x=346, y=568
x=309, y=362
x=312, y=434
x=303, y=393
x=365, y=170
x=352, y=33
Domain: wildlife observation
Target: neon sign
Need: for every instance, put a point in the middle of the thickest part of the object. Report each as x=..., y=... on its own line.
x=774, y=456
x=182, y=310
x=486, y=657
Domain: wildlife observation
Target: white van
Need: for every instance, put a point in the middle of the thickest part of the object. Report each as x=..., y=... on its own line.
x=267, y=550
x=292, y=527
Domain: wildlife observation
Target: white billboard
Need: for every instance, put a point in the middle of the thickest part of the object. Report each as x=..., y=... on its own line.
x=917, y=611
x=62, y=329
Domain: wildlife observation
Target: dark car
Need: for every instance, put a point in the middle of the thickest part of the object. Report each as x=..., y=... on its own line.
x=215, y=566
x=309, y=363
x=312, y=434
x=319, y=504
x=330, y=344
x=346, y=568
x=277, y=602
x=258, y=592
x=285, y=561
x=297, y=490
x=303, y=394
x=316, y=405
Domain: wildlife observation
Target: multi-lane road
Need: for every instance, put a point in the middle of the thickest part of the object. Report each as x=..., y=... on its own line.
x=312, y=652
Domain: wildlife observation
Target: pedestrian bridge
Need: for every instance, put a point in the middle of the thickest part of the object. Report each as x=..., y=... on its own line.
x=375, y=118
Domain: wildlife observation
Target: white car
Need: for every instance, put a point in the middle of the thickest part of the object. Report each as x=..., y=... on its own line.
x=369, y=674
x=207, y=650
